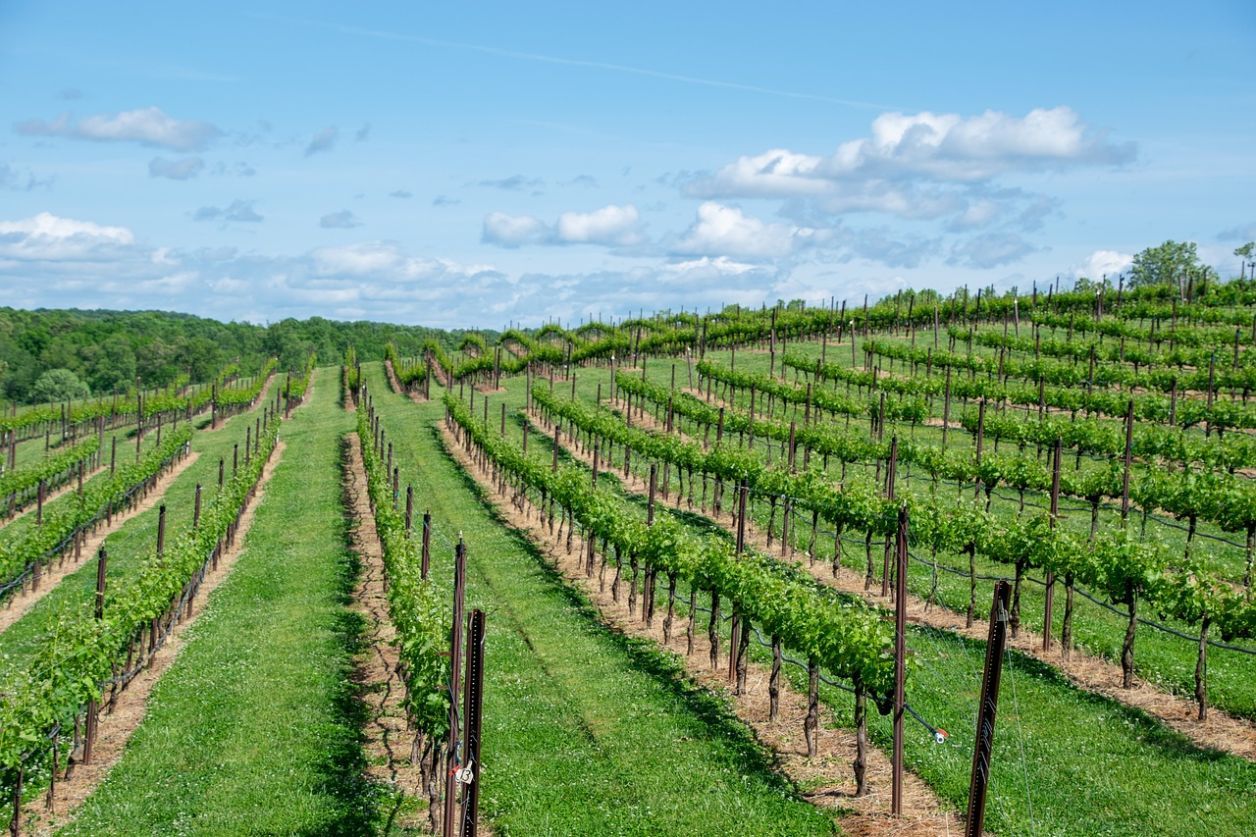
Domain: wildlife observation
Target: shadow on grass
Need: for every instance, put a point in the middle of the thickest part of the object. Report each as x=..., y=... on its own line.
x=345, y=762
x=711, y=709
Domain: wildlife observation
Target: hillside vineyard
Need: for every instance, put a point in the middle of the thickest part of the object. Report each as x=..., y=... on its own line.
x=928, y=565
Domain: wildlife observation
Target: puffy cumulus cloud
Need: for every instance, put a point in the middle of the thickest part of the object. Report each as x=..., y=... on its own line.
x=48, y=237
x=342, y=220
x=386, y=261
x=719, y=265
x=238, y=210
x=611, y=226
x=149, y=126
x=939, y=147
x=1102, y=263
x=513, y=230
x=726, y=231
x=990, y=250
x=924, y=166
x=180, y=169
x=323, y=140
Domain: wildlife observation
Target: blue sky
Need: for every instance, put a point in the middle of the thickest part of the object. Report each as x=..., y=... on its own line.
x=476, y=165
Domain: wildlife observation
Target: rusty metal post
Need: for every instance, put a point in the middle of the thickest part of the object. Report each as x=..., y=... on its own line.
x=900, y=661
x=93, y=707
x=1129, y=457
x=426, y=555
x=984, y=746
x=1049, y=593
x=455, y=661
x=473, y=715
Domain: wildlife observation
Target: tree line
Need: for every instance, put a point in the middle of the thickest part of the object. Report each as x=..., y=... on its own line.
x=55, y=354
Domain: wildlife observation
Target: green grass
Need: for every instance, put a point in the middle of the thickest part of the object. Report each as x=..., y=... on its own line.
x=25, y=518
x=1161, y=658
x=1066, y=761
x=254, y=728
x=133, y=542
x=586, y=732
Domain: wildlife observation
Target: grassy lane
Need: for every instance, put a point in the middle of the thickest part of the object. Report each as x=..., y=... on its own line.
x=20, y=523
x=135, y=540
x=252, y=730
x=1116, y=762
x=586, y=732
x=1163, y=659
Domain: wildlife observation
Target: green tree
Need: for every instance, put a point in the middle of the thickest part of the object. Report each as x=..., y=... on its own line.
x=1164, y=265
x=1246, y=253
x=58, y=385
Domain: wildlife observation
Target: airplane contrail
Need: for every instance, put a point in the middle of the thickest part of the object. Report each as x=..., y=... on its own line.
x=540, y=58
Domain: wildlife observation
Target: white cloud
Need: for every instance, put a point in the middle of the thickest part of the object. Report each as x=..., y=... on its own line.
x=47, y=237
x=612, y=225
x=940, y=147
x=726, y=231
x=513, y=230
x=342, y=220
x=147, y=126
x=182, y=169
x=1104, y=262
x=386, y=261
x=924, y=166
x=718, y=264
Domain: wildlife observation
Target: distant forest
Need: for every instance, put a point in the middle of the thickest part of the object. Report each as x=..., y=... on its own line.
x=107, y=350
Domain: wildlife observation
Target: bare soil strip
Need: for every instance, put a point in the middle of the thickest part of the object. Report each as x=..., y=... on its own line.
x=71, y=484
x=1221, y=731
x=827, y=777
x=19, y=604
x=128, y=711
x=396, y=384
x=387, y=732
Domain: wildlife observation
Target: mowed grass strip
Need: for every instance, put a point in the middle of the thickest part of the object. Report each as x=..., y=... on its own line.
x=1066, y=761
x=1162, y=659
x=253, y=729
x=585, y=731
x=136, y=540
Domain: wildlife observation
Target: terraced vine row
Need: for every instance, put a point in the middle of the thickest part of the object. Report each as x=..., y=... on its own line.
x=1119, y=565
x=839, y=634
x=84, y=654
